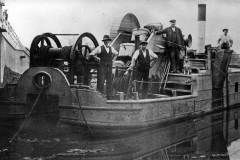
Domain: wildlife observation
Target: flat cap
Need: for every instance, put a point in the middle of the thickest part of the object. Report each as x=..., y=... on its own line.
x=225, y=29
x=172, y=21
x=143, y=42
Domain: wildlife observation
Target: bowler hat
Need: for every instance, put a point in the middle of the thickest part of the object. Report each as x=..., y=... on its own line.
x=225, y=29
x=143, y=42
x=172, y=21
x=106, y=38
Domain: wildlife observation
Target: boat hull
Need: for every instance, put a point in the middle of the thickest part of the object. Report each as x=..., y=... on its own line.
x=126, y=116
x=79, y=107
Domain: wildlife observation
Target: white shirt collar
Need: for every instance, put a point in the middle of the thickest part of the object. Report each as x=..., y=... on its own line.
x=144, y=52
x=107, y=48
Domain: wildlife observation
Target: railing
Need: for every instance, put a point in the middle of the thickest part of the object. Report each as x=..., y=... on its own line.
x=159, y=82
x=128, y=84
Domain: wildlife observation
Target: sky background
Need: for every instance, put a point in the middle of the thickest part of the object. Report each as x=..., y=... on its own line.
x=32, y=17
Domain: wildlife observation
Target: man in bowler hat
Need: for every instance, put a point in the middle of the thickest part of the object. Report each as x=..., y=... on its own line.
x=174, y=43
x=104, y=55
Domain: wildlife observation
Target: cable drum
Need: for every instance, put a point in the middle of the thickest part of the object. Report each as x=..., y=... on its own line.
x=42, y=80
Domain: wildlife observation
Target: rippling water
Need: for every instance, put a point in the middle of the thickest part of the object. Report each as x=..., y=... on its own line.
x=210, y=137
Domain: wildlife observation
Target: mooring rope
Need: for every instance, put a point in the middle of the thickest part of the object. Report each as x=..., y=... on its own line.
x=83, y=116
x=27, y=116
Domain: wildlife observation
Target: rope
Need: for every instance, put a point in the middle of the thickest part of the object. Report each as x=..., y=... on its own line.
x=81, y=110
x=27, y=116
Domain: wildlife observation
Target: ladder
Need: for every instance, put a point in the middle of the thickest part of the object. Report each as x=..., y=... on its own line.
x=164, y=73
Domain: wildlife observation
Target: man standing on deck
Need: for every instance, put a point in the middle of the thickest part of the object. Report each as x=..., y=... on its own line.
x=174, y=43
x=141, y=60
x=225, y=41
x=104, y=54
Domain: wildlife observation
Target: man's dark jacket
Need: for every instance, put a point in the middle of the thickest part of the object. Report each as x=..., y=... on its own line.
x=170, y=36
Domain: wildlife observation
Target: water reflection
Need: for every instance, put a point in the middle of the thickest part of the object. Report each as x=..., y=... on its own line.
x=204, y=137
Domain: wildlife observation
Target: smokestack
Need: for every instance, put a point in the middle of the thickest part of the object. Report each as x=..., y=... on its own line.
x=201, y=26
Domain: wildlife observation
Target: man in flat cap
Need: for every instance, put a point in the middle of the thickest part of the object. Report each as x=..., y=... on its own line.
x=105, y=54
x=225, y=41
x=174, y=43
x=141, y=61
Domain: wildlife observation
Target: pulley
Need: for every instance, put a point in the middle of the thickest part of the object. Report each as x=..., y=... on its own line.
x=69, y=59
x=80, y=48
x=42, y=52
x=39, y=48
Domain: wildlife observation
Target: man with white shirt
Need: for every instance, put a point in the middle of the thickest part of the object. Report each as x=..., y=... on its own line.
x=104, y=55
x=225, y=41
x=141, y=61
x=174, y=43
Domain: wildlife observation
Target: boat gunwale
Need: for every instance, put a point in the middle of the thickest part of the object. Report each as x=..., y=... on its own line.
x=84, y=107
x=140, y=101
x=123, y=108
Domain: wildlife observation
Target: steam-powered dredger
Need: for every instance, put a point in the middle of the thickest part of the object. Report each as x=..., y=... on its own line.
x=51, y=86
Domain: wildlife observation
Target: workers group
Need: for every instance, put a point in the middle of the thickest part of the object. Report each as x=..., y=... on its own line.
x=142, y=57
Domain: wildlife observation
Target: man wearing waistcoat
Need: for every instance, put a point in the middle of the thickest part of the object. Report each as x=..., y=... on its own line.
x=141, y=61
x=174, y=43
x=104, y=54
